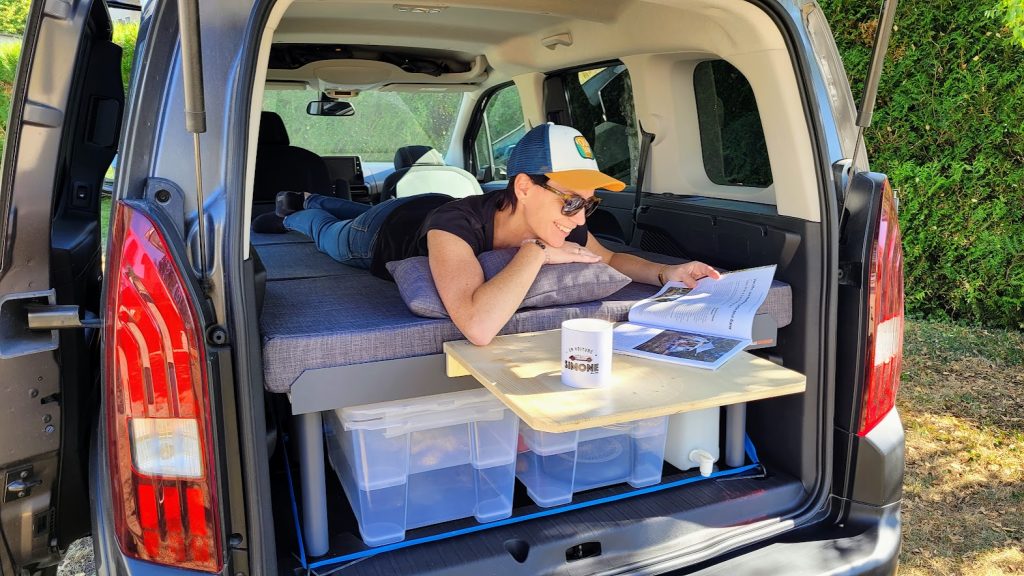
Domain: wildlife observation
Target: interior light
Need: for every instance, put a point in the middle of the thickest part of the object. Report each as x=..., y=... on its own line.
x=419, y=8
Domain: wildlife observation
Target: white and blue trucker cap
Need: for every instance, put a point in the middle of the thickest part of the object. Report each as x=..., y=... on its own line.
x=562, y=154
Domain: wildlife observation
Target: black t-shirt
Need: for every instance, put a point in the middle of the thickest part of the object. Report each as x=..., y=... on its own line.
x=404, y=233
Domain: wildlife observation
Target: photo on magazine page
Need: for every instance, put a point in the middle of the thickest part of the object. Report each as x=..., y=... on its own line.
x=701, y=348
x=698, y=350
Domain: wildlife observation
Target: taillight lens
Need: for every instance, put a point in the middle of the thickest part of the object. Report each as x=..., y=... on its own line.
x=158, y=409
x=885, y=322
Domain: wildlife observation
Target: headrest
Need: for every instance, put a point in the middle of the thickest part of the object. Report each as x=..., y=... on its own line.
x=272, y=130
x=409, y=156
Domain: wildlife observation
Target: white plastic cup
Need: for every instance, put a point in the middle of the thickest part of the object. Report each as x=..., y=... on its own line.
x=586, y=353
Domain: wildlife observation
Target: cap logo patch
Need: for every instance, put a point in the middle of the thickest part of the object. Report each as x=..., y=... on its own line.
x=583, y=147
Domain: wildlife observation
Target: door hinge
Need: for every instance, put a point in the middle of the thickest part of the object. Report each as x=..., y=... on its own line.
x=58, y=317
x=19, y=484
x=15, y=338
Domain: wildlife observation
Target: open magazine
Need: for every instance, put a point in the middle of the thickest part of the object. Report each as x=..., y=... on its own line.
x=702, y=327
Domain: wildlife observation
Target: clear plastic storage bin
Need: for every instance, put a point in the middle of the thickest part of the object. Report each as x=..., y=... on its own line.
x=412, y=463
x=554, y=465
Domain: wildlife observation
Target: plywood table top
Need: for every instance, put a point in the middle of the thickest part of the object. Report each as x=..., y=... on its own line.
x=523, y=371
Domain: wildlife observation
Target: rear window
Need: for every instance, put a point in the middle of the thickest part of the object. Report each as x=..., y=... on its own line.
x=383, y=123
x=731, y=137
x=601, y=108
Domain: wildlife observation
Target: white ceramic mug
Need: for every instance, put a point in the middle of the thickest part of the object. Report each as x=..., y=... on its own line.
x=586, y=353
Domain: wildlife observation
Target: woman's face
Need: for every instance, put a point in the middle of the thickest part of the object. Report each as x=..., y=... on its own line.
x=544, y=212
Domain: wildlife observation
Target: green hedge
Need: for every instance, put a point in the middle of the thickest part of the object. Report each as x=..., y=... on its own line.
x=949, y=131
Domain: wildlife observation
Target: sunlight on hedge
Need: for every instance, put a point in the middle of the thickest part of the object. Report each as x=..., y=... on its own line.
x=1012, y=14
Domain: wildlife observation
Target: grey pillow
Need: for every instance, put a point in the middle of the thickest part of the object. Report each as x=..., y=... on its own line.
x=555, y=284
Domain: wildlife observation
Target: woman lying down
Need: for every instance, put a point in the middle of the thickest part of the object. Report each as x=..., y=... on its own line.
x=543, y=212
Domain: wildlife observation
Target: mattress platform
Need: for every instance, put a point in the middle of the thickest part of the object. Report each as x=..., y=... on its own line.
x=319, y=314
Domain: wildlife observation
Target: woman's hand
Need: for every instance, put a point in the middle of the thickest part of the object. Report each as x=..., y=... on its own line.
x=568, y=252
x=690, y=272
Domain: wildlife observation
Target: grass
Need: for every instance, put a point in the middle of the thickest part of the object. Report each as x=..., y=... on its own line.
x=962, y=404
x=104, y=219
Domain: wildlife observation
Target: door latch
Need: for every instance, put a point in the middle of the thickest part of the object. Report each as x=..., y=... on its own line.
x=19, y=484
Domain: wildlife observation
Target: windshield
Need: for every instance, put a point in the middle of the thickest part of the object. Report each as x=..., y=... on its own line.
x=383, y=123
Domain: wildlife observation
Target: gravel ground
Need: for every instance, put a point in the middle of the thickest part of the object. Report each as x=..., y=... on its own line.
x=79, y=559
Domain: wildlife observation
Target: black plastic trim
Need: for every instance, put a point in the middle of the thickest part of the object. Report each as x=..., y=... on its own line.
x=867, y=543
x=473, y=128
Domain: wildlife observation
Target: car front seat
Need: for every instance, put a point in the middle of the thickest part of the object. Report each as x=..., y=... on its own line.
x=421, y=170
x=281, y=166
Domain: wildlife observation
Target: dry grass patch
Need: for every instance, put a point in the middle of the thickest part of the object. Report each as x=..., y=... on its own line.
x=962, y=403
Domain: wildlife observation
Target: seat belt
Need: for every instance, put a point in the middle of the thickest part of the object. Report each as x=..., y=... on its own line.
x=646, y=138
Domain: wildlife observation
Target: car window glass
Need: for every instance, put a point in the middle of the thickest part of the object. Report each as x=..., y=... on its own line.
x=731, y=136
x=837, y=86
x=383, y=122
x=601, y=108
x=500, y=131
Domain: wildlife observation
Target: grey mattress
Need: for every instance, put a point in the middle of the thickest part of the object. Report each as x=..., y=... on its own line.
x=260, y=239
x=318, y=313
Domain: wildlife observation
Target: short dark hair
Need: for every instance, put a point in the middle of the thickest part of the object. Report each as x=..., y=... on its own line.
x=508, y=195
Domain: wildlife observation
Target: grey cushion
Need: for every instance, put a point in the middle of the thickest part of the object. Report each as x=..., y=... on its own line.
x=289, y=261
x=263, y=238
x=341, y=320
x=556, y=284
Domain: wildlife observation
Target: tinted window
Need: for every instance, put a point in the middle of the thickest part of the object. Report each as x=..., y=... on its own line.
x=601, y=108
x=500, y=131
x=731, y=137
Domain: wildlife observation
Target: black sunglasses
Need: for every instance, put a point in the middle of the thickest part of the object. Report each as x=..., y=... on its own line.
x=573, y=203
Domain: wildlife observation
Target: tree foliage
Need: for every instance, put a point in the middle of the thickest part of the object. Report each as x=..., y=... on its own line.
x=13, y=14
x=949, y=131
x=1012, y=14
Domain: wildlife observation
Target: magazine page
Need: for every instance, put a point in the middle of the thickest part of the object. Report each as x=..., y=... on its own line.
x=723, y=307
x=699, y=350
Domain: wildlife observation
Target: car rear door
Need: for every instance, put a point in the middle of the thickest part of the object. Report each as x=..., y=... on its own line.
x=62, y=135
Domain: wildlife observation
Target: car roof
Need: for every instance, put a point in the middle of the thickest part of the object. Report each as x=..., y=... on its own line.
x=511, y=37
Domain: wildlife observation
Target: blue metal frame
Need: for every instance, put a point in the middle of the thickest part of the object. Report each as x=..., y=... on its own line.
x=751, y=455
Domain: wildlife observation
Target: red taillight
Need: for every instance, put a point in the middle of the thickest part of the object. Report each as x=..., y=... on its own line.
x=158, y=407
x=885, y=321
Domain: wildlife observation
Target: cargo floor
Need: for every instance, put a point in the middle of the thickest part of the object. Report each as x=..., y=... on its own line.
x=576, y=541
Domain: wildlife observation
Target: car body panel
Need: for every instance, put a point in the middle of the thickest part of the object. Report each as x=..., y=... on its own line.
x=39, y=399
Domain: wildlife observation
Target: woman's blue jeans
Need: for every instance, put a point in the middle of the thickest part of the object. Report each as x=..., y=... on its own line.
x=343, y=229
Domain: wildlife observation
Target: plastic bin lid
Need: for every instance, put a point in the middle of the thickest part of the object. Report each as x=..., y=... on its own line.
x=426, y=412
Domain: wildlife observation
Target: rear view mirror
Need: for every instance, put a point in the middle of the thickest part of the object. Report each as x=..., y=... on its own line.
x=330, y=108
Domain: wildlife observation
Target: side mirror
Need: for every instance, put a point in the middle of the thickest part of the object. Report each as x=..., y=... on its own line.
x=330, y=108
